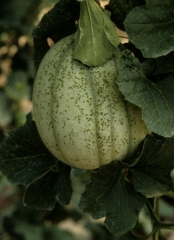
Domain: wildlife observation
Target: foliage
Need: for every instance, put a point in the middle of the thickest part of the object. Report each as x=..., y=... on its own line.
x=155, y=99
x=121, y=191
x=153, y=34
x=87, y=47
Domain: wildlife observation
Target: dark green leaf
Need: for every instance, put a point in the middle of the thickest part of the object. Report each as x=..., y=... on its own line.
x=64, y=189
x=129, y=236
x=156, y=100
x=161, y=65
x=120, y=8
x=60, y=19
x=152, y=174
x=108, y=194
x=99, y=231
x=25, y=160
x=93, y=201
x=96, y=39
x=58, y=23
x=23, y=156
x=150, y=27
x=43, y=192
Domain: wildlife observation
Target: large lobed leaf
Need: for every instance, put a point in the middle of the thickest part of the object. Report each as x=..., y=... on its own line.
x=25, y=160
x=152, y=174
x=150, y=27
x=58, y=23
x=155, y=99
x=108, y=194
x=148, y=174
x=54, y=185
x=120, y=8
x=164, y=64
x=96, y=38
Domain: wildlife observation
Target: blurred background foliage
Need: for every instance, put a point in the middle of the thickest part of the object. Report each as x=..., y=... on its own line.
x=17, y=19
x=17, y=222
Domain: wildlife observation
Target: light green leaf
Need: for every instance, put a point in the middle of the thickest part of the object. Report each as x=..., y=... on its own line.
x=150, y=27
x=155, y=100
x=96, y=38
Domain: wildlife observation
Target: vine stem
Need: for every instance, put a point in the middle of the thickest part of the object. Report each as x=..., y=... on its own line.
x=123, y=37
x=152, y=212
x=156, y=235
x=157, y=223
x=156, y=211
x=146, y=237
x=156, y=206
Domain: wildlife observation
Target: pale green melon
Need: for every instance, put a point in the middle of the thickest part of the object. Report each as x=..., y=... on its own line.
x=79, y=112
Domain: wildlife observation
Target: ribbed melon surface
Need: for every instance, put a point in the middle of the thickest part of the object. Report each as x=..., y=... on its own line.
x=79, y=112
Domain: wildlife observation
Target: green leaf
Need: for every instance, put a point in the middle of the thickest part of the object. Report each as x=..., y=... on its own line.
x=96, y=39
x=156, y=100
x=23, y=156
x=99, y=231
x=25, y=160
x=55, y=185
x=150, y=27
x=120, y=8
x=59, y=20
x=108, y=194
x=58, y=23
x=163, y=64
x=152, y=174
